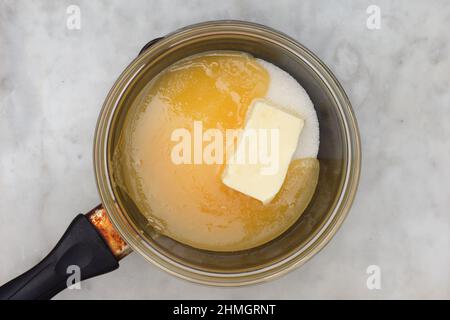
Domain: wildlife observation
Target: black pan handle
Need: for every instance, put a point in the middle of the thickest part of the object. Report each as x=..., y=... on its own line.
x=80, y=248
x=149, y=44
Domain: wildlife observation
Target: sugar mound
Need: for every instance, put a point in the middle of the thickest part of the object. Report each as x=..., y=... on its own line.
x=286, y=92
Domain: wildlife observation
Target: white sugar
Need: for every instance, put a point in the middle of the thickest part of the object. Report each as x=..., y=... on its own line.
x=286, y=92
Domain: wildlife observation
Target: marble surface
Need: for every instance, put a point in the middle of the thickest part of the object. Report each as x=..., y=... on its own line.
x=53, y=82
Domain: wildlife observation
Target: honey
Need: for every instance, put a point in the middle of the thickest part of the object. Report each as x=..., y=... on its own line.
x=189, y=202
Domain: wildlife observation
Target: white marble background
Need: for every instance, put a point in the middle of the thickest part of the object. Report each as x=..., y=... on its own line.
x=53, y=82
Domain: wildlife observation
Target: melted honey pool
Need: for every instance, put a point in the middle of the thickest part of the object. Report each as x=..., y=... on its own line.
x=189, y=202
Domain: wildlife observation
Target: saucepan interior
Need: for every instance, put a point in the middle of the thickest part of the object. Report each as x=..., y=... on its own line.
x=339, y=157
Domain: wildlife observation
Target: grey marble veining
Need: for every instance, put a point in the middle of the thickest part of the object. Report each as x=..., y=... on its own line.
x=53, y=82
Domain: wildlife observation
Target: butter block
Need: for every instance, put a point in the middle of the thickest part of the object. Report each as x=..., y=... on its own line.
x=259, y=172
